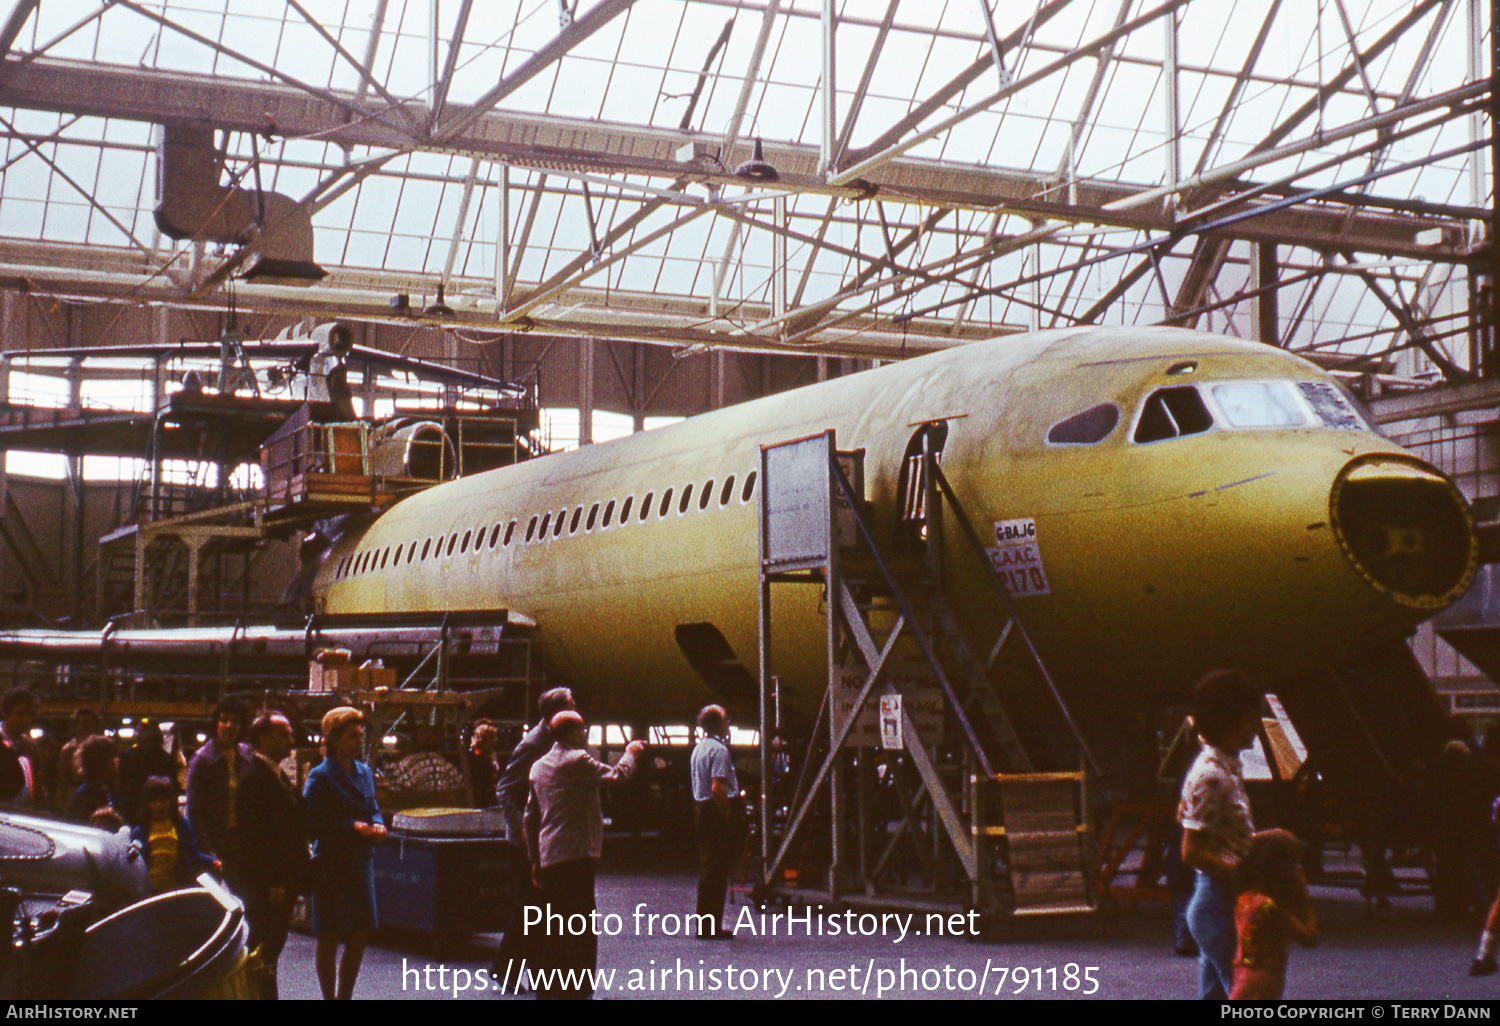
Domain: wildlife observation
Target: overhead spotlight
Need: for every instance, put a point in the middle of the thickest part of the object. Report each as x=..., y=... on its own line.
x=438, y=307
x=756, y=169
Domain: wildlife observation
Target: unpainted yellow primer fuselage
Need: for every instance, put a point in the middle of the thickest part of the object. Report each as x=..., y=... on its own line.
x=1162, y=559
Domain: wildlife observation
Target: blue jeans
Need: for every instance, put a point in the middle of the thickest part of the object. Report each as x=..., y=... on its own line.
x=1211, y=919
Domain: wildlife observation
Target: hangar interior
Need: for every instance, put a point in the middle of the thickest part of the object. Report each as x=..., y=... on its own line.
x=601, y=216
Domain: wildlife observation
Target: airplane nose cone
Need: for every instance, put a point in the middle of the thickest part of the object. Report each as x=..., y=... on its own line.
x=1405, y=528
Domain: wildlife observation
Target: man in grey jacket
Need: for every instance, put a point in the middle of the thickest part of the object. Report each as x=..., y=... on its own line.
x=564, y=837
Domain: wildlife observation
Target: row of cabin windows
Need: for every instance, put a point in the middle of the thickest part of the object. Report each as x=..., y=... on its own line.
x=601, y=515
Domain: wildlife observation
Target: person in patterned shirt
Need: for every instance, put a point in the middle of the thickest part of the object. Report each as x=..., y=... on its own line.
x=1215, y=817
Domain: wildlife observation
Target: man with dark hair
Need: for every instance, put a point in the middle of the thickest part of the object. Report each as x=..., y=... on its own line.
x=1215, y=818
x=719, y=820
x=213, y=782
x=18, y=709
x=511, y=793
x=511, y=790
x=272, y=841
x=564, y=839
x=145, y=759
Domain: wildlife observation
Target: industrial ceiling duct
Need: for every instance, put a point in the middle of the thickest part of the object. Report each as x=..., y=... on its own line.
x=192, y=204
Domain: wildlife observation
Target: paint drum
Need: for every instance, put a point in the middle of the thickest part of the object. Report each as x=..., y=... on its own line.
x=182, y=944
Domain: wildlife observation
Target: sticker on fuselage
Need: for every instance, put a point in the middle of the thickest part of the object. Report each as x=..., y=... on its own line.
x=1017, y=559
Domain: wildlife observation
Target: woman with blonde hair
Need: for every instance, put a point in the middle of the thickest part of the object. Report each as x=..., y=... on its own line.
x=344, y=822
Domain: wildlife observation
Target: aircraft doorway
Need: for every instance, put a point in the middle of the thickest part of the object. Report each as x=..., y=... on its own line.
x=912, y=487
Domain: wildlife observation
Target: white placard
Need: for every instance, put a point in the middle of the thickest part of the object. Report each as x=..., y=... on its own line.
x=1018, y=559
x=890, y=723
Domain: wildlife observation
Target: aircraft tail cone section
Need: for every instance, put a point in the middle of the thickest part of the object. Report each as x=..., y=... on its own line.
x=1405, y=528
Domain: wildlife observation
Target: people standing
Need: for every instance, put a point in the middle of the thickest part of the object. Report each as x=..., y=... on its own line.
x=345, y=823
x=483, y=768
x=1215, y=817
x=718, y=817
x=565, y=836
x=273, y=841
x=515, y=781
x=100, y=765
x=213, y=782
x=511, y=792
x=146, y=758
x=69, y=773
x=18, y=709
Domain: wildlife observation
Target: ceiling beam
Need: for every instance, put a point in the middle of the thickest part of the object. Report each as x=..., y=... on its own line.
x=571, y=143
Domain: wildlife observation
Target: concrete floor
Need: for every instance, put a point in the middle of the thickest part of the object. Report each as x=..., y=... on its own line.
x=1399, y=954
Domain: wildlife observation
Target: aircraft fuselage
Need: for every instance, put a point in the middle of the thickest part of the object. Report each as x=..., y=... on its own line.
x=1237, y=511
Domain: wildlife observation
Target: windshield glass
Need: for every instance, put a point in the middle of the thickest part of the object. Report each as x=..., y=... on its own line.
x=1259, y=404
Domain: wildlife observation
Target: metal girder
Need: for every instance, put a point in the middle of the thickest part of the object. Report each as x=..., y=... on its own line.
x=549, y=141
x=20, y=13
x=41, y=269
x=1107, y=41
x=1209, y=256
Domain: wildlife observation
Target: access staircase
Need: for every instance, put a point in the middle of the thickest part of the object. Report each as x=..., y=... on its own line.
x=983, y=815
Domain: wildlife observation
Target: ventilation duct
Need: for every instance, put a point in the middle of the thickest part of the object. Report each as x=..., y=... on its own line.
x=192, y=204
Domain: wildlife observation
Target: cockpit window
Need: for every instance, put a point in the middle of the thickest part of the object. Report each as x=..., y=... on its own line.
x=1092, y=425
x=1330, y=405
x=1171, y=412
x=1259, y=404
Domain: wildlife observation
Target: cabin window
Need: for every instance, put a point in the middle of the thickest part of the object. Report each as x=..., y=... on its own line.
x=624, y=511
x=411, y=552
x=559, y=523
x=397, y=560
x=749, y=489
x=452, y=543
x=573, y=527
x=666, y=503
x=425, y=546
x=1092, y=425
x=646, y=505
x=1171, y=413
x=531, y=529
x=593, y=517
x=494, y=534
x=728, y=492
x=510, y=529
x=1259, y=404
x=464, y=545
x=707, y=495
x=687, y=498
x=385, y=555
x=364, y=562
x=546, y=519
x=609, y=512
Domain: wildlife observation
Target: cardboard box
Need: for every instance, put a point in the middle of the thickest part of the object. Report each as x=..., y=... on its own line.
x=324, y=679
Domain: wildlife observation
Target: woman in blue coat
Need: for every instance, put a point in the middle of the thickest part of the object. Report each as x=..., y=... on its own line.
x=345, y=824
